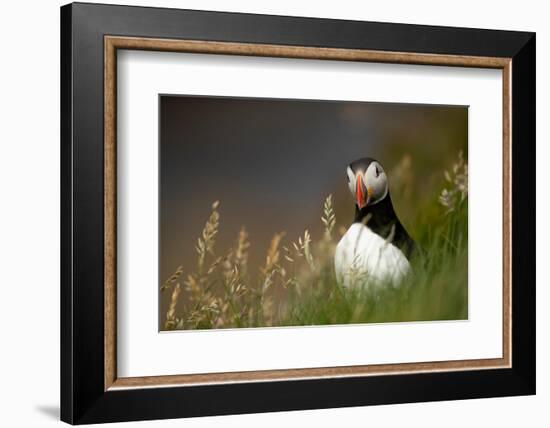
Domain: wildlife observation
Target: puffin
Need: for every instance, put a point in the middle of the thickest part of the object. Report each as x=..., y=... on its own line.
x=376, y=249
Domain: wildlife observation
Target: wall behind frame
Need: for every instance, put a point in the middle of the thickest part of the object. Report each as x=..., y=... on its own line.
x=29, y=219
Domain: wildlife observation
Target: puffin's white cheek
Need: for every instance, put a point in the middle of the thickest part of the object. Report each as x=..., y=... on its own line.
x=381, y=187
x=351, y=181
x=351, y=185
x=378, y=188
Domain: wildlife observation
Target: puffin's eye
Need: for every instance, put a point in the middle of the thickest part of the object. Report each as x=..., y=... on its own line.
x=376, y=171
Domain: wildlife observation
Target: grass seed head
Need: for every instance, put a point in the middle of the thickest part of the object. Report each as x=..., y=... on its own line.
x=456, y=189
x=173, y=278
x=171, y=314
x=328, y=218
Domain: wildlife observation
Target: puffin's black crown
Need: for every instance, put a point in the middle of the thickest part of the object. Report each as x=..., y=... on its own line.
x=361, y=164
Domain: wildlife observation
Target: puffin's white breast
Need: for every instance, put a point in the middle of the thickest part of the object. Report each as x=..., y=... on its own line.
x=363, y=257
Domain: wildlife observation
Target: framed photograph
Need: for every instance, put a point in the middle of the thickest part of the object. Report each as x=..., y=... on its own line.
x=265, y=213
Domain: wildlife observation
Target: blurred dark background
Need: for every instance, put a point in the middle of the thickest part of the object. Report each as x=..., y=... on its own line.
x=271, y=163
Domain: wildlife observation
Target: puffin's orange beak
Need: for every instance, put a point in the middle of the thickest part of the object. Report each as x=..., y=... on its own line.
x=361, y=193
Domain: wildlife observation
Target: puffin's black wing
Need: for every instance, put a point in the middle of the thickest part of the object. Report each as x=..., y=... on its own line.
x=382, y=220
x=404, y=242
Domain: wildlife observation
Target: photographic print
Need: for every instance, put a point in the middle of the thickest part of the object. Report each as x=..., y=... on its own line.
x=279, y=212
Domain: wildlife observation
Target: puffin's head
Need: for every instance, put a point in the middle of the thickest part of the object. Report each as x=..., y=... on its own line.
x=367, y=182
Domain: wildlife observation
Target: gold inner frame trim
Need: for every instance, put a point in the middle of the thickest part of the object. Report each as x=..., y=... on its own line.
x=113, y=43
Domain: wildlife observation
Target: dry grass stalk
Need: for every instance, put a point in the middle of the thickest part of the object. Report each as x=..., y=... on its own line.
x=328, y=218
x=234, y=290
x=272, y=257
x=171, y=314
x=391, y=235
x=271, y=263
x=303, y=249
x=173, y=278
x=366, y=219
x=402, y=179
x=205, y=244
x=241, y=251
x=457, y=181
x=205, y=306
x=355, y=272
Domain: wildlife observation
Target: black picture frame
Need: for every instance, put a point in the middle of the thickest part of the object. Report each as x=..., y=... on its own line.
x=83, y=397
